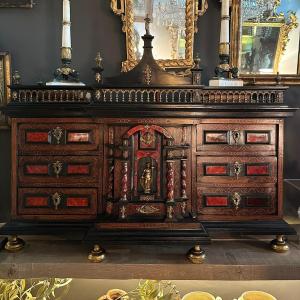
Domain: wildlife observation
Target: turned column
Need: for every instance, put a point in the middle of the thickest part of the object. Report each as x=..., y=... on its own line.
x=111, y=168
x=170, y=201
x=124, y=181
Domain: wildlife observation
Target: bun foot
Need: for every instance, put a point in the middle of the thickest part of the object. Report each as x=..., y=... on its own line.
x=279, y=244
x=196, y=255
x=97, y=255
x=14, y=244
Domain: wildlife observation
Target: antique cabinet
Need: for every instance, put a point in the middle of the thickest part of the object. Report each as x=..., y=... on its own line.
x=148, y=155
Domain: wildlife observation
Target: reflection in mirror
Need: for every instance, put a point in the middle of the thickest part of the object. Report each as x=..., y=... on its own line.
x=168, y=27
x=268, y=41
x=173, y=24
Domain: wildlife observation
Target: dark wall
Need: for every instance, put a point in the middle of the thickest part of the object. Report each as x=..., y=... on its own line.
x=32, y=36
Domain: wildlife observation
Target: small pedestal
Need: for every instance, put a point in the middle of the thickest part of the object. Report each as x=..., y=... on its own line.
x=225, y=82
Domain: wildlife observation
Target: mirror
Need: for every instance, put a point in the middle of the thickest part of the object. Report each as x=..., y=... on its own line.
x=173, y=24
x=265, y=40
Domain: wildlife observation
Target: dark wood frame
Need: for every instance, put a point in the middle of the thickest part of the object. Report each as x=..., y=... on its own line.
x=265, y=79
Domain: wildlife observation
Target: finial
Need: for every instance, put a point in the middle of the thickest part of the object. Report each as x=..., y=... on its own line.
x=16, y=78
x=197, y=61
x=98, y=60
x=147, y=24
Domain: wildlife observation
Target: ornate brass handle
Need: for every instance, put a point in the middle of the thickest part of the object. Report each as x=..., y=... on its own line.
x=56, y=199
x=237, y=169
x=236, y=199
x=57, y=133
x=147, y=209
x=236, y=136
x=57, y=168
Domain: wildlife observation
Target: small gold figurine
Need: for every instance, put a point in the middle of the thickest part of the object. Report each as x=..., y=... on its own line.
x=97, y=255
x=147, y=178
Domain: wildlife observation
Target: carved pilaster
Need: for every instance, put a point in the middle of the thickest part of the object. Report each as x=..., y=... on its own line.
x=170, y=191
x=124, y=181
x=184, y=197
x=111, y=168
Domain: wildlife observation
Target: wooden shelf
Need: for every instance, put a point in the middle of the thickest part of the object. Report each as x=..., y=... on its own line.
x=226, y=260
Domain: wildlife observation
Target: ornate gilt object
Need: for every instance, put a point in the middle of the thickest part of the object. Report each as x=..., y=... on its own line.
x=265, y=41
x=97, y=255
x=56, y=200
x=176, y=19
x=280, y=244
x=147, y=178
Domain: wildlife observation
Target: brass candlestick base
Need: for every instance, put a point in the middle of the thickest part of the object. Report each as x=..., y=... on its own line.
x=196, y=255
x=97, y=255
x=14, y=244
x=279, y=244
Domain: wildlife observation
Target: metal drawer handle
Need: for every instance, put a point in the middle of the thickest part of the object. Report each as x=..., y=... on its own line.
x=56, y=199
x=57, y=168
x=57, y=134
x=236, y=135
x=236, y=199
x=237, y=169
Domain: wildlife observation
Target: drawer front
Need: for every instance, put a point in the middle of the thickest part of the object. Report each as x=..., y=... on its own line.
x=55, y=201
x=58, y=170
x=40, y=138
x=237, y=201
x=235, y=138
x=236, y=170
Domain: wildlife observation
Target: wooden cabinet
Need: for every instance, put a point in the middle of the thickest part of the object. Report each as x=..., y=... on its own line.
x=146, y=170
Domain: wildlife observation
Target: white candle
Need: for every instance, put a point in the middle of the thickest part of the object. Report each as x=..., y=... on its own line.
x=66, y=11
x=66, y=31
x=225, y=22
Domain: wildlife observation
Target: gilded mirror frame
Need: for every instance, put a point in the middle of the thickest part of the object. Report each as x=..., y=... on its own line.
x=194, y=9
x=261, y=79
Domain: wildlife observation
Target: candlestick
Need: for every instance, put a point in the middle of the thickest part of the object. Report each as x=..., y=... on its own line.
x=225, y=69
x=65, y=75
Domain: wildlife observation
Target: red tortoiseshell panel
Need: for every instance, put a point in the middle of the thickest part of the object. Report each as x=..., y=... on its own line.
x=37, y=137
x=36, y=169
x=78, y=169
x=77, y=202
x=252, y=170
x=216, y=200
x=216, y=170
x=78, y=137
x=216, y=137
x=36, y=201
x=257, y=201
x=257, y=138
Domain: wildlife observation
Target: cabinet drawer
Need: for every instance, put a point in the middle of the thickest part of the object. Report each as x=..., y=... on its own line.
x=146, y=210
x=57, y=137
x=58, y=170
x=237, y=201
x=56, y=201
x=231, y=139
x=236, y=170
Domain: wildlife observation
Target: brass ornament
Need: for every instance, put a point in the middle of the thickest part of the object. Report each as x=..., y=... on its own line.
x=14, y=244
x=147, y=75
x=57, y=134
x=147, y=138
x=236, y=135
x=280, y=244
x=196, y=255
x=66, y=53
x=236, y=200
x=97, y=255
x=237, y=169
x=123, y=212
x=57, y=168
x=56, y=200
x=147, y=209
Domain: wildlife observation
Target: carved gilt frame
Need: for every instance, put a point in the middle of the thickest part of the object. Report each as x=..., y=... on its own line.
x=263, y=79
x=5, y=81
x=194, y=9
